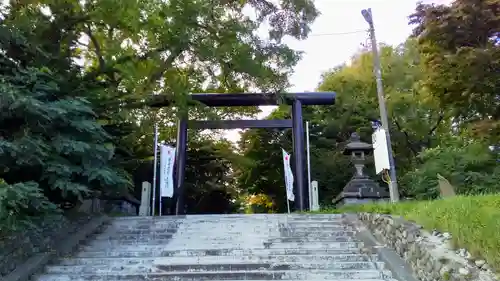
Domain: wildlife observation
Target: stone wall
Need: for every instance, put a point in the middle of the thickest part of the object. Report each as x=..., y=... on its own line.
x=16, y=248
x=429, y=254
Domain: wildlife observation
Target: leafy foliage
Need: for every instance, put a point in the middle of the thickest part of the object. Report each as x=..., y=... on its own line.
x=16, y=202
x=460, y=47
x=52, y=148
x=259, y=203
x=209, y=185
x=469, y=165
x=262, y=174
x=169, y=47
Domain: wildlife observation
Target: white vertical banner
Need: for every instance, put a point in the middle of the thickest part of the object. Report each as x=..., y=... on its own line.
x=167, y=160
x=288, y=176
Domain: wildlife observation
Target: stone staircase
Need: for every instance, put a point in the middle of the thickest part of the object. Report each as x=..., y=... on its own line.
x=221, y=247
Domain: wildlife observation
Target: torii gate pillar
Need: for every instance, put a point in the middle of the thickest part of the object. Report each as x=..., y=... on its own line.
x=298, y=156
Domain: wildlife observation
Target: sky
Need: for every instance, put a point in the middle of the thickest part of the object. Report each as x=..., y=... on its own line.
x=337, y=34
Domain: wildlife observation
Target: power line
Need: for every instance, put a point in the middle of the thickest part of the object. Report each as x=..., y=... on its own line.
x=339, y=33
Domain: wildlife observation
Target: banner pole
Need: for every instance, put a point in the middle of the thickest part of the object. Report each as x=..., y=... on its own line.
x=161, y=179
x=155, y=167
x=308, y=165
x=288, y=205
x=162, y=175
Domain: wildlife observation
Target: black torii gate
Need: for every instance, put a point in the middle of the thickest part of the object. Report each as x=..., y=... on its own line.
x=296, y=100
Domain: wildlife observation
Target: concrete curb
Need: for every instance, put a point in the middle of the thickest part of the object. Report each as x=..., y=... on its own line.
x=37, y=262
x=393, y=262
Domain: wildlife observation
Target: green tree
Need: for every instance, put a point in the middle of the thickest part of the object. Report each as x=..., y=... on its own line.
x=52, y=149
x=458, y=46
x=415, y=120
x=262, y=174
x=460, y=51
x=166, y=47
x=209, y=181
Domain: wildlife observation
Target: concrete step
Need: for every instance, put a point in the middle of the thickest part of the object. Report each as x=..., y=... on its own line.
x=133, y=237
x=261, y=221
x=109, y=236
x=155, y=241
x=130, y=232
x=220, y=220
x=144, y=220
x=144, y=225
x=226, y=220
x=261, y=247
x=313, y=222
x=199, y=245
x=234, y=217
x=212, y=252
x=165, y=234
x=312, y=239
x=215, y=265
x=235, y=229
x=66, y=278
x=212, y=231
x=224, y=275
x=222, y=259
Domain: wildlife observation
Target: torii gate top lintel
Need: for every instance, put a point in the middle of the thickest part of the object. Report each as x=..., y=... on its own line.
x=254, y=99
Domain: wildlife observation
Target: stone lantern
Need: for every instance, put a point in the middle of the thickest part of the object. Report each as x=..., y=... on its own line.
x=360, y=189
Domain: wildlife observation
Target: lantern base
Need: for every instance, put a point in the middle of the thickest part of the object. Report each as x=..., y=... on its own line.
x=361, y=190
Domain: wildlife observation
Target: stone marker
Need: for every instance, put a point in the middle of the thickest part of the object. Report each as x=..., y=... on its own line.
x=314, y=196
x=445, y=187
x=145, y=208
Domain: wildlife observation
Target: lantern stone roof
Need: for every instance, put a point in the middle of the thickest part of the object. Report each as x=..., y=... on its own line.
x=356, y=145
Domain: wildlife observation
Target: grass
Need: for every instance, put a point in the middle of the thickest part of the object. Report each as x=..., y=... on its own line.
x=473, y=221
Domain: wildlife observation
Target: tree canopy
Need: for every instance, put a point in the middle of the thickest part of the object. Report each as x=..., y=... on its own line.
x=460, y=51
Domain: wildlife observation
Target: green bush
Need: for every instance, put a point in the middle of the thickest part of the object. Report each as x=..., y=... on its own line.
x=469, y=165
x=16, y=199
x=52, y=148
